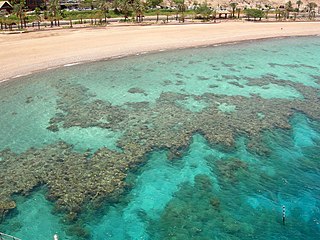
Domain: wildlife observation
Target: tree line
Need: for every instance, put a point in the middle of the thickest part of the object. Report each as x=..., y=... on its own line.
x=135, y=10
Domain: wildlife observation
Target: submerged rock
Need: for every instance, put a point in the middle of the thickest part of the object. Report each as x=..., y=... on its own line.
x=228, y=169
x=137, y=90
x=53, y=128
x=5, y=207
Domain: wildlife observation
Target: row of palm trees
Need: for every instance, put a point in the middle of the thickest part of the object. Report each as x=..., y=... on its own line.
x=284, y=11
x=53, y=13
x=127, y=8
x=16, y=18
x=309, y=8
x=280, y=13
x=100, y=9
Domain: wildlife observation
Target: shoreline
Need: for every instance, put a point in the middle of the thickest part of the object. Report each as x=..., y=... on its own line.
x=44, y=50
x=17, y=77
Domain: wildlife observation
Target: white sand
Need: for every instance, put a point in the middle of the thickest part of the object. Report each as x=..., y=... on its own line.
x=22, y=54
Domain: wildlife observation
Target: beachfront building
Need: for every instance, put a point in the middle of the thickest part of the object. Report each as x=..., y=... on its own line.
x=33, y=4
x=223, y=13
x=71, y=4
x=6, y=7
x=30, y=4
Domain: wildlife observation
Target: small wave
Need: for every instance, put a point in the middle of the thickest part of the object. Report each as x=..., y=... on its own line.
x=21, y=75
x=71, y=64
x=4, y=80
x=116, y=57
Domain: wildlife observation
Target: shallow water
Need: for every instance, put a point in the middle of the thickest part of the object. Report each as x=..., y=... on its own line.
x=218, y=140
x=198, y=197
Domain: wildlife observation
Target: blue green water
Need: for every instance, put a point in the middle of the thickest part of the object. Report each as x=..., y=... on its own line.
x=205, y=143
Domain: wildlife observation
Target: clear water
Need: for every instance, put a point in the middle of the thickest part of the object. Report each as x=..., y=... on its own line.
x=209, y=190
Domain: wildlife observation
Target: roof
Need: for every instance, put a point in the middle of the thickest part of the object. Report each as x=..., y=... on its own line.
x=2, y=3
x=223, y=12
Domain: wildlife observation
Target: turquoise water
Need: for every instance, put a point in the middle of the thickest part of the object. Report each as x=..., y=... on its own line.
x=204, y=143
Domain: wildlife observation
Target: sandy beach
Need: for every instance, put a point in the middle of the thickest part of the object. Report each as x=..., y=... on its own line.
x=25, y=53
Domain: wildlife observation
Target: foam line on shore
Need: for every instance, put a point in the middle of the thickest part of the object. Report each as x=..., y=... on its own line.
x=71, y=64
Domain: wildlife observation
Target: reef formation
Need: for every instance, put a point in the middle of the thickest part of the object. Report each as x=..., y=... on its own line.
x=75, y=179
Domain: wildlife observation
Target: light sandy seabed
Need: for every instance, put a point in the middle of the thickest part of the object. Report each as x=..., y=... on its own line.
x=22, y=54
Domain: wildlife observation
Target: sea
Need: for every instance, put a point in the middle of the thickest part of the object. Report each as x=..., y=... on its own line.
x=214, y=142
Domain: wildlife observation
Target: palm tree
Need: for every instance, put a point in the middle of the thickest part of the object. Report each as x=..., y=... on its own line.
x=294, y=16
x=88, y=4
x=254, y=13
x=214, y=15
x=299, y=3
x=12, y=19
x=99, y=15
x=19, y=11
x=204, y=11
x=54, y=12
x=238, y=12
x=2, y=19
x=138, y=8
x=37, y=12
x=126, y=8
x=288, y=8
x=233, y=5
x=181, y=8
x=154, y=3
x=104, y=6
x=268, y=7
x=277, y=11
x=311, y=9
x=279, y=14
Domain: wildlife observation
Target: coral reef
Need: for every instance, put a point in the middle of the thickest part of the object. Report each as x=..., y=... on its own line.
x=70, y=176
x=6, y=206
x=75, y=179
x=229, y=169
x=194, y=213
x=137, y=90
